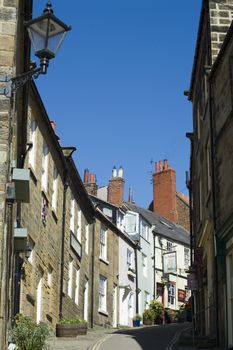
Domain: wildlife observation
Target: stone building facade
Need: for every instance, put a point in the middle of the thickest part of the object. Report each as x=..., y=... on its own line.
x=106, y=272
x=14, y=60
x=211, y=176
x=60, y=219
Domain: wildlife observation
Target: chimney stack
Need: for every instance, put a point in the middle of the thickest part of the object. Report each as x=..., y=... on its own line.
x=116, y=187
x=90, y=182
x=164, y=191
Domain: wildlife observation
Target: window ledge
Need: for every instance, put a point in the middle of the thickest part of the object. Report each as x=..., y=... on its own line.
x=54, y=215
x=104, y=261
x=102, y=312
x=44, y=193
x=33, y=175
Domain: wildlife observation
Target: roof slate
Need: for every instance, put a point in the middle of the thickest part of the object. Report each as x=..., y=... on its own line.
x=162, y=225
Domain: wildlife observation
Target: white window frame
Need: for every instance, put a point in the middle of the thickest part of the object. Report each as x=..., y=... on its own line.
x=144, y=265
x=32, y=136
x=72, y=213
x=102, y=293
x=131, y=222
x=44, y=166
x=129, y=258
x=79, y=225
x=146, y=300
x=70, y=277
x=103, y=242
x=50, y=276
x=87, y=238
x=169, y=246
x=171, y=294
x=144, y=230
x=55, y=188
x=31, y=246
x=77, y=277
x=186, y=257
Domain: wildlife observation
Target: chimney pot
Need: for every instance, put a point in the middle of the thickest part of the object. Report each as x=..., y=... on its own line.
x=120, y=172
x=116, y=187
x=114, y=172
x=86, y=176
x=92, y=178
x=165, y=164
x=160, y=165
x=156, y=167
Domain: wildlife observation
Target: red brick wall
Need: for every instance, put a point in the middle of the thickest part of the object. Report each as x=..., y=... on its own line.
x=164, y=188
x=116, y=190
x=183, y=213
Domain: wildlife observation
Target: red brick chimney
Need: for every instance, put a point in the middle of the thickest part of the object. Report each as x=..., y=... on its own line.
x=116, y=187
x=90, y=182
x=164, y=188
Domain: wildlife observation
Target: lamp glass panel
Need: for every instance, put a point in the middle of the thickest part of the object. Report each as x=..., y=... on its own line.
x=55, y=42
x=38, y=34
x=56, y=36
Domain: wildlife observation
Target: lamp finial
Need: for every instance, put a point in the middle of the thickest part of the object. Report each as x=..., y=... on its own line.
x=48, y=8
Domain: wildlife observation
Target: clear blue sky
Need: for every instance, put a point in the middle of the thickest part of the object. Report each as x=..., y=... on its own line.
x=115, y=88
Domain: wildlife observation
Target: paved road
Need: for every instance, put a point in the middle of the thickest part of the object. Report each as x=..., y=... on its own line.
x=146, y=338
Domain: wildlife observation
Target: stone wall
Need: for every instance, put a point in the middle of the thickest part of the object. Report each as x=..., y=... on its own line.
x=8, y=22
x=221, y=15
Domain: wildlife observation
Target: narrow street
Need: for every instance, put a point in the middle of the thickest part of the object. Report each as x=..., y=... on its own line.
x=147, y=338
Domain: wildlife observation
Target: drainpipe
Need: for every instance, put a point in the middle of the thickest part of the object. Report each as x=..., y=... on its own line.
x=92, y=272
x=63, y=242
x=136, y=272
x=192, y=245
x=154, y=296
x=213, y=170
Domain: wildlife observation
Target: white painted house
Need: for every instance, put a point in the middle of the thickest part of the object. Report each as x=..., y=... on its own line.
x=163, y=258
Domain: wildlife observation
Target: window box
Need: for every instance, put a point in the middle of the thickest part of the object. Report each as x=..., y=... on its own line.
x=21, y=179
x=71, y=330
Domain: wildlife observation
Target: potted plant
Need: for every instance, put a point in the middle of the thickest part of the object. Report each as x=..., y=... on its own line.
x=137, y=320
x=27, y=335
x=158, y=310
x=71, y=327
x=148, y=317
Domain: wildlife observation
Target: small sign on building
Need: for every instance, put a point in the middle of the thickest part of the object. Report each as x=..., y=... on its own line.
x=181, y=295
x=192, y=281
x=169, y=262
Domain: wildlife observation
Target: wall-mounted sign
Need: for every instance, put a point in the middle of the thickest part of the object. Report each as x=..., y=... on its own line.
x=181, y=295
x=169, y=262
x=192, y=281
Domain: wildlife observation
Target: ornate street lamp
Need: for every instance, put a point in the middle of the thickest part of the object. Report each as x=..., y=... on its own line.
x=46, y=33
